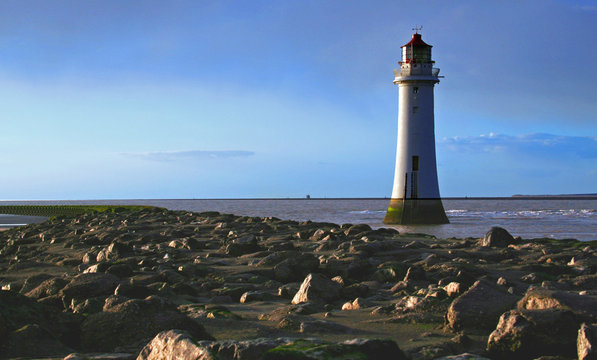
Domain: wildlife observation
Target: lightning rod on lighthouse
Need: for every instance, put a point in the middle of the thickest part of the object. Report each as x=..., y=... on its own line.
x=415, y=194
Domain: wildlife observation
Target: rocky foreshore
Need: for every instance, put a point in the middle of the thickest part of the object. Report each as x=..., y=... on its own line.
x=157, y=284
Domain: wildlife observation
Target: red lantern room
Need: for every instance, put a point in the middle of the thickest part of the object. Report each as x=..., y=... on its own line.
x=416, y=51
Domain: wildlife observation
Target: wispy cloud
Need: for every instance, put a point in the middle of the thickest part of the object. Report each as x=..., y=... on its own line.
x=591, y=8
x=539, y=144
x=190, y=155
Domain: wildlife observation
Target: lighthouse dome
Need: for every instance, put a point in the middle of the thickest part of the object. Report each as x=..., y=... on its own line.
x=416, y=51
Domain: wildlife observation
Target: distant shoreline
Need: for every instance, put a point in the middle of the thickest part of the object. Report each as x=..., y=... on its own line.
x=513, y=197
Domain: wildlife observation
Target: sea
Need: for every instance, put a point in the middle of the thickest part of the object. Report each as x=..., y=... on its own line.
x=527, y=218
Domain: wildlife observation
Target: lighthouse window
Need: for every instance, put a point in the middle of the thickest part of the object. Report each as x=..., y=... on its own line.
x=415, y=109
x=415, y=90
x=415, y=163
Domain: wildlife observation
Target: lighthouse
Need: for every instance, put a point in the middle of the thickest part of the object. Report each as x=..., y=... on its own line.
x=415, y=194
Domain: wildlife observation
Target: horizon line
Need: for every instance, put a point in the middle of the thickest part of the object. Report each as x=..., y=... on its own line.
x=512, y=197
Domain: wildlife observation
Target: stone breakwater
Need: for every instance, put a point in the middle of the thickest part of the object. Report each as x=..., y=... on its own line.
x=157, y=284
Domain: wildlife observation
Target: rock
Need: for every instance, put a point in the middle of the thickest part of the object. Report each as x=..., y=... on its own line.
x=87, y=306
x=242, y=350
x=385, y=275
x=47, y=288
x=295, y=268
x=84, y=286
x=414, y=273
x=114, y=251
x=120, y=270
x=586, y=342
x=133, y=322
x=357, y=229
x=356, y=304
x=251, y=296
x=243, y=245
x=497, y=237
x=453, y=289
x=318, y=235
x=529, y=334
x=276, y=257
x=133, y=291
x=33, y=281
x=18, y=311
x=89, y=257
x=479, y=307
x=97, y=268
x=31, y=341
x=317, y=288
x=400, y=285
x=174, y=344
x=537, y=298
x=530, y=278
x=288, y=290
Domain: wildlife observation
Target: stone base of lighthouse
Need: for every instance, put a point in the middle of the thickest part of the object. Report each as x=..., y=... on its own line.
x=416, y=211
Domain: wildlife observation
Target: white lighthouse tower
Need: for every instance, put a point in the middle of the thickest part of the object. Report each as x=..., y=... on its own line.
x=415, y=195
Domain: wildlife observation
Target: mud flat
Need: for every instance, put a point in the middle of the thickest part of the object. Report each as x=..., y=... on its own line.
x=153, y=284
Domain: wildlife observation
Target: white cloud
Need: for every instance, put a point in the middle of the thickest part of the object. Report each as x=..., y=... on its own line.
x=538, y=144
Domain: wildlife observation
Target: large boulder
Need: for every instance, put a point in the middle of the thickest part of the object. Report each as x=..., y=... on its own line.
x=537, y=298
x=357, y=229
x=133, y=323
x=114, y=251
x=32, y=341
x=243, y=245
x=530, y=334
x=174, y=344
x=497, y=237
x=47, y=288
x=586, y=342
x=89, y=285
x=317, y=288
x=23, y=319
x=243, y=350
x=479, y=307
x=295, y=268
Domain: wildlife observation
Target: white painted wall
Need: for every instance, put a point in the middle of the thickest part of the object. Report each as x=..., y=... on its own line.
x=416, y=132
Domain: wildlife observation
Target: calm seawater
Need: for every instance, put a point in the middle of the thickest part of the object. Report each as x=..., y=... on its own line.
x=559, y=219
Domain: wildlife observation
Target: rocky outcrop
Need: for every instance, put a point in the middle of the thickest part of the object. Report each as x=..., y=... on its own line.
x=497, y=237
x=28, y=328
x=530, y=334
x=479, y=307
x=174, y=344
x=32, y=341
x=295, y=268
x=112, y=282
x=586, y=342
x=317, y=288
x=538, y=298
x=133, y=323
x=366, y=349
x=89, y=285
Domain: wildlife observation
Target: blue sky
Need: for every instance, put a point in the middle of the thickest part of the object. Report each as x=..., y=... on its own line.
x=216, y=99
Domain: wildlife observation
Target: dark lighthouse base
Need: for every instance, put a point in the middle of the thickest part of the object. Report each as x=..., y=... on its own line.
x=416, y=211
